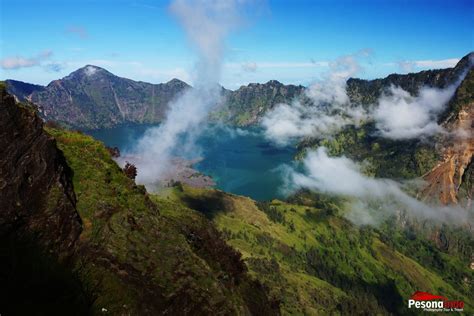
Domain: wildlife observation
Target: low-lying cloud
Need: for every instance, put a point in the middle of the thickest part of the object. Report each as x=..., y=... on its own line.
x=326, y=108
x=371, y=199
x=286, y=122
x=399, y=115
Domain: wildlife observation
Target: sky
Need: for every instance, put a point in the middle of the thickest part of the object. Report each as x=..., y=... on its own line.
x=290, y=41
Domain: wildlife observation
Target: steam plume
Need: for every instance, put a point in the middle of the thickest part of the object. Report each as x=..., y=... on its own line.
x=206, y=23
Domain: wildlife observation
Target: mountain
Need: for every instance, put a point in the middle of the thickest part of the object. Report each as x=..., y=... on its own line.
x=444, y=161
x=22, y=90
x=91, y=98
x=246, y=105
x=366, y=92
x=77, y=236
x=102, y=244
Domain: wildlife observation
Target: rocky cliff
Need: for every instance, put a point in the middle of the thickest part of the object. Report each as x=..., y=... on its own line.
x=452, y=178
x=37, y=196
x=39, y=222
x=366, y=92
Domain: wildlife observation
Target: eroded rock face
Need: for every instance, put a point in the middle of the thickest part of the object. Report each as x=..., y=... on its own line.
x=450, y=180
x=37, y=200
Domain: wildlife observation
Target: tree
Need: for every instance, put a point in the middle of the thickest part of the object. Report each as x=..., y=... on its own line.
x=130, y=170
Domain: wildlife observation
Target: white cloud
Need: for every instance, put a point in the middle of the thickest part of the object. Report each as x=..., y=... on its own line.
x=18, y=62
x=399, y=115
x=374, y=198
x=332, y=88
x=412, y=65
x=286, y=122
x=282, y=64
x=328, y=111
x=249, y=66
x=206, y=24
x=54, y=67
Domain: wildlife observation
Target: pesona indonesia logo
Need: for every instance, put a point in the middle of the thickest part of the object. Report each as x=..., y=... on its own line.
x=434, y=303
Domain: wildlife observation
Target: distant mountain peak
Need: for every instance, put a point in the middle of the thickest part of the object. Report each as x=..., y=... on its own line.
x=175, y=80
x=274, y=83
x=88, y=71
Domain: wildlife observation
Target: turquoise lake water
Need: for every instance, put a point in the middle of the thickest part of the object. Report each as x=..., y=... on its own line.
x=241, y=161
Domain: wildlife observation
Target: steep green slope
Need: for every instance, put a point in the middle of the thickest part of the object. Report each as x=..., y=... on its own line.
x=206, y=252
x=316, y=262
x=134, y=260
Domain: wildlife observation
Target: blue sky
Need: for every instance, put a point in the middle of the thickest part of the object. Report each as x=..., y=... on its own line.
x=290, y=41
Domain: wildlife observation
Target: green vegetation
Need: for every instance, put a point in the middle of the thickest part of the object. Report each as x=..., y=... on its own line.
x=311, y=260
x=133, y=254
x=381, y=157
x=316, y=262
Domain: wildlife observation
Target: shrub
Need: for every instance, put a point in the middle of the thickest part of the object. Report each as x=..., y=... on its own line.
x=130, y=170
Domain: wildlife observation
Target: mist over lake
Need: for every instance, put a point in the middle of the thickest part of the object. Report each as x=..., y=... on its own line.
x=240, y=161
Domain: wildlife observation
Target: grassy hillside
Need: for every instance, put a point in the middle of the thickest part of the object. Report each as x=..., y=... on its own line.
x=316, y=262
x=134, y=260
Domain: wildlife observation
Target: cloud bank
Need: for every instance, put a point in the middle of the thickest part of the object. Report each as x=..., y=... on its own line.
x=325, y=108
x=325, y=111
x=372, y=199
x=399, y=115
